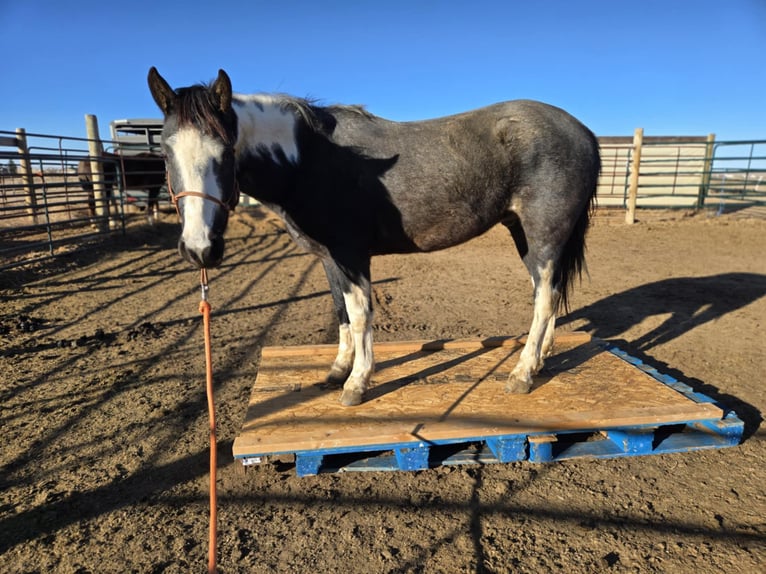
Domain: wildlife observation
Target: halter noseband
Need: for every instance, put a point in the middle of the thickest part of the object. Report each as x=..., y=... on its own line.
x=228, y=206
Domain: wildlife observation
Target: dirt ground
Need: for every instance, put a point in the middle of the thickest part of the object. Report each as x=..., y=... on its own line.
x=104, y=418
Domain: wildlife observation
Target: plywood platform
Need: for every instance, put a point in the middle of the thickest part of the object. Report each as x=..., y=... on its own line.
x=442, y=402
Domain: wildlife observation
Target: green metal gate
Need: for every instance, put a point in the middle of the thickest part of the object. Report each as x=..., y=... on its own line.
x=737, y=177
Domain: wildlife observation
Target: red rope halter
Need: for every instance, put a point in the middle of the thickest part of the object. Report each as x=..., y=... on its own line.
x=228, y=206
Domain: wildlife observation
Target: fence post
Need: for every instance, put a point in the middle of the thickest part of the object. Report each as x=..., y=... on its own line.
x=635, y=165
x=95, y=151
x=26, y=174
x=707, y=171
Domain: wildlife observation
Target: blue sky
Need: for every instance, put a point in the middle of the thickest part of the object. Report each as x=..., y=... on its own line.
x=673, y=67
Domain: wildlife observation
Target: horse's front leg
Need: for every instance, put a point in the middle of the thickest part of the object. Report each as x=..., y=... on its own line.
x=359, y=308
x=344, y=361
x=355, y=291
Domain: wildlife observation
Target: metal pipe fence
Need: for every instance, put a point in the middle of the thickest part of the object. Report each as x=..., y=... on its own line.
x=45, y=206
x=687, y=173
x=615, y=174
x=737, y=176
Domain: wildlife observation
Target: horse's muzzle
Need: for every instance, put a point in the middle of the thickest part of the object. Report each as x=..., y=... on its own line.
x=208, y=257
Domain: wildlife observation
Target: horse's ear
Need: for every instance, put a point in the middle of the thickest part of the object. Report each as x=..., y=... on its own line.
x=162, y=93
x=222, y=91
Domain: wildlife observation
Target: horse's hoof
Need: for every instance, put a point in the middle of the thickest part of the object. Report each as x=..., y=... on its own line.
x=517, y=385
x=336, y=377
x=351, y=397
x=333, y=382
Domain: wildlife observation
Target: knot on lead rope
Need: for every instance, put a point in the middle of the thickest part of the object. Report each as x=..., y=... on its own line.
x=203, y=284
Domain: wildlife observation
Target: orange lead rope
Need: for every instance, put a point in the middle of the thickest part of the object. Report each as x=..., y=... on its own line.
x=204, y=308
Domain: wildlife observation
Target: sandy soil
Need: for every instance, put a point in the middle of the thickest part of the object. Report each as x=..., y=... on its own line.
x=104, y=457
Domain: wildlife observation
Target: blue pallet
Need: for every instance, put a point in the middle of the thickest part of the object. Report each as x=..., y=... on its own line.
x=600, y=443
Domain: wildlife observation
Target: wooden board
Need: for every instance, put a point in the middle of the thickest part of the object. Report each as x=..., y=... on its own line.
x=439, y=392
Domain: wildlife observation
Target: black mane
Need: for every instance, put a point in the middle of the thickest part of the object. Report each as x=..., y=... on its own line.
x=196, y=106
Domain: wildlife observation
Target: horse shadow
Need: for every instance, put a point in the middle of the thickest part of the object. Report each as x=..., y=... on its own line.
x=688, y=302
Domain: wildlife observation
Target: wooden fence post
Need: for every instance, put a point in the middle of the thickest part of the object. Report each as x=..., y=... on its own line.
x=706, y=171
x=26, y=174
x=635, y=165
x=95, y=151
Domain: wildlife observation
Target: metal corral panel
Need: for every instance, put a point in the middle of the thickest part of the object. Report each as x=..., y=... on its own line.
x=671, y=172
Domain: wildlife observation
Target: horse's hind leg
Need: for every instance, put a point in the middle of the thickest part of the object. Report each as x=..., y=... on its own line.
x=547, y=349
x=540, y=338
x=539, y=256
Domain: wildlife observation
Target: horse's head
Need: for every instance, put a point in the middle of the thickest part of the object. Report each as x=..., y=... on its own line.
x=198, y=140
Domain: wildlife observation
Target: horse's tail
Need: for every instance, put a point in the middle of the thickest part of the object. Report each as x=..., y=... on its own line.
x=572, y=262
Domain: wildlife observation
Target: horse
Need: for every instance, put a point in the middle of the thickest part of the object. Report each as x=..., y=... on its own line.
x=349, y=185
x=144, y=171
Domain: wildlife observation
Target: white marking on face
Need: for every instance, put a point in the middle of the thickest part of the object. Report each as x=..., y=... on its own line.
x=264, y=123
x=195, y=154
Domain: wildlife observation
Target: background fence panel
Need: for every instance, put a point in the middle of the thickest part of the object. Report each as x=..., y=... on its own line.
x=43, y=203
x=671, y=171
x=737, y=176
